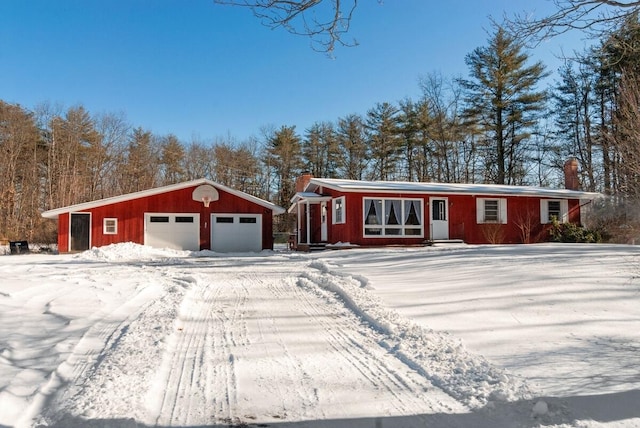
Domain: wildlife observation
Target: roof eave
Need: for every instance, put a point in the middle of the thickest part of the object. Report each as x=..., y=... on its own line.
x=54, y=213
x=505, y=191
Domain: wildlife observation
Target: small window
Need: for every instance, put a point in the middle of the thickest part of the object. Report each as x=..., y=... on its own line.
x=224, y=219
x=181, y=219
x=338, y=211
x=439, y=208
x=491, y=211
x=110, y=226
x=554, y=208
x=159, y=219
x=247, y=220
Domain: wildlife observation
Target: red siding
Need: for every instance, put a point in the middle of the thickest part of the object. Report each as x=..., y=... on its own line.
x=130, y=215
x=523, y=225
x=63, y=233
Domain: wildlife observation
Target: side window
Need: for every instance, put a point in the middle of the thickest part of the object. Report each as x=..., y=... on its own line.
x=491, y=213
x=491, y=210
x=554, y=211
x=554, y=208
x=338, y=210
x=110, y=226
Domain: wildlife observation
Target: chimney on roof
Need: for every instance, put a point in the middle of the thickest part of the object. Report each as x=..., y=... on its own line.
x=302, y=181
x=571, y=181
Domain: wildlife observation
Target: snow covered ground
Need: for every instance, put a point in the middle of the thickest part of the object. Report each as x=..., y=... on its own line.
x=447, y=336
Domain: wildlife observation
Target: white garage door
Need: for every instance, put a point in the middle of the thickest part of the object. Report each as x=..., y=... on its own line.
x=236, y=232
x=178, y=231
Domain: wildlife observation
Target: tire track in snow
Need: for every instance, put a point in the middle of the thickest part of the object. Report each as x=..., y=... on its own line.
x=346, y=351
x=360, y=349
x=466, y=377
x=198, y=382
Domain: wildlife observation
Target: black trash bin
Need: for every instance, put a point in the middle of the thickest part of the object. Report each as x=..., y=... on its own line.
x=18, y=247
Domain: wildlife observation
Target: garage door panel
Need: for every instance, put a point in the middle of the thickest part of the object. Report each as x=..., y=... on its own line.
x=177, y=231
x=236, y=232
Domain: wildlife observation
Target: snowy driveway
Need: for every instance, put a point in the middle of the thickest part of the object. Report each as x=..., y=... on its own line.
x=130, y=336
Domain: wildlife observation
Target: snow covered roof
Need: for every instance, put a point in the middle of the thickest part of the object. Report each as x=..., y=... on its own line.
x=53, y=214
x=309, y=196
x=446, y=188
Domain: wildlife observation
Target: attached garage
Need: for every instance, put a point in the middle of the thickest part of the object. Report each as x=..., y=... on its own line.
x=177, y=231
x=195, y=215
x=236, y=232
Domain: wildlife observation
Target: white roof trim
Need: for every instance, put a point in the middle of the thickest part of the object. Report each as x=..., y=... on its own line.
x=311, y=196
x=447, y=188
x=306, y=196
x=53, y=214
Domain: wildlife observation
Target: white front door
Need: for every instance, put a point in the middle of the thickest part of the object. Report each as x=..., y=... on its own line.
x=323, y=226
x=439, y=222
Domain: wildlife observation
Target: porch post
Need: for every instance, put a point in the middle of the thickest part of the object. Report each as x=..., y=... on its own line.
x=298, y=225
x=308, y=223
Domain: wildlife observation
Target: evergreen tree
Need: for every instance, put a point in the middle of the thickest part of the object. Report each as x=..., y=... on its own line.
x=503, y=103
x=172, y=158
x=141, y=165
x=352, y=146
x=284, y=159
x=409, y=127
x=575, y=110
x=384, y=140
x=320, y=150
x=74, y=154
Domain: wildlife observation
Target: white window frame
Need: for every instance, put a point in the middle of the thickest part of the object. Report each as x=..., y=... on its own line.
x=544, y=210
x=393, y=230
x=338, y=205
x=106, y=227
x=502, y=211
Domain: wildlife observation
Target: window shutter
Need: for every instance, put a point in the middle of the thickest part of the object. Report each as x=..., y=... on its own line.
x=479, y=210
x=544, y=211
x=564, y=209
x=503, y=211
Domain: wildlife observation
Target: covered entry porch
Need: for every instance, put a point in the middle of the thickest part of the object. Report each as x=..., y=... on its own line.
x=312, y=221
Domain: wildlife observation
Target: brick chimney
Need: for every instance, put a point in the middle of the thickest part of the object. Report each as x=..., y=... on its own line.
x=302, y=181
x=571, y=181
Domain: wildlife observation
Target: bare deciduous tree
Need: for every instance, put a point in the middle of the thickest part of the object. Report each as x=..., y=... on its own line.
x=625, y=140
x=591, y=16
x=325, y=21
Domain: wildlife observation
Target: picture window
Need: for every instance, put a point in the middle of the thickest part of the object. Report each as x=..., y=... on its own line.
x=392, y=217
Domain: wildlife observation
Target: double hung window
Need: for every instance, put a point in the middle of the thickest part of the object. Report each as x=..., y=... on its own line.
x=554, y=208
x=491, y=210
x=338, y=210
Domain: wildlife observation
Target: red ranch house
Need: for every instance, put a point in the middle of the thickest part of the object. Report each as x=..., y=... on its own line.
x=194, y=215
x=373, y=213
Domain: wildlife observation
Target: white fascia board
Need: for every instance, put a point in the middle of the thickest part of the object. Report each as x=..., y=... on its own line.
x=496, y=190
x=53, y=214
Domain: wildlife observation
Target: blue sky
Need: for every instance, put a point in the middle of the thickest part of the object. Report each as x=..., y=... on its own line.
x=200, y=70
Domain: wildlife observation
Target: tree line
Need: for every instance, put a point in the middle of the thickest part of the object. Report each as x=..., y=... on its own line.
x=497, y=125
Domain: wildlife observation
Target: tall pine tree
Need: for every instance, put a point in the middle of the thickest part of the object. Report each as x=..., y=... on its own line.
x=502, y=101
